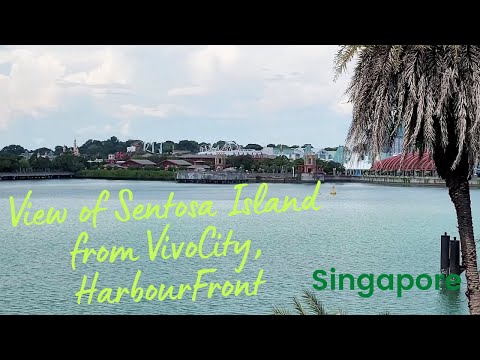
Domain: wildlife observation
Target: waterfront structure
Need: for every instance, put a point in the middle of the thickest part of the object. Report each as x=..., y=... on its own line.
x=174, y=164
x=141, y=163
x=356, y=165
x=198, y=165
x=310, y=171
x=220, y=161
x=409, y=165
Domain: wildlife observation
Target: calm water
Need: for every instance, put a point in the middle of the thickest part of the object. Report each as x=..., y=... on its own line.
x=364, y=229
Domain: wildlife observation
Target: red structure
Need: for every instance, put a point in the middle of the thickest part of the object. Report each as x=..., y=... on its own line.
x=174, y=164
x=138, y=163
x=310, y=165
x=119, y=155
x=410, y=162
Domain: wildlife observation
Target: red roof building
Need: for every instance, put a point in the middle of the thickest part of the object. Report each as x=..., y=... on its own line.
x=409, y=162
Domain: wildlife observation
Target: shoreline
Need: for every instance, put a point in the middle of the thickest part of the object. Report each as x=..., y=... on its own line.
x=329, y=179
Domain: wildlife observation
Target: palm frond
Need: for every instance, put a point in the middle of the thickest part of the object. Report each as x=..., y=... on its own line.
x=313, y=303
x=298, y=307
x=343, y=57
x=281, y=311
x=432, y=91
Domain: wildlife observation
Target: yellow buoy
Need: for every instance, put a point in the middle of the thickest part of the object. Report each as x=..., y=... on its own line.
x=333, y=191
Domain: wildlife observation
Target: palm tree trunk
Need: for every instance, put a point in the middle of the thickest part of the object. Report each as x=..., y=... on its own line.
x=460, y=194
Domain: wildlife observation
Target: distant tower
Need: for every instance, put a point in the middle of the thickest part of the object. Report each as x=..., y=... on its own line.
x=76, y=152
x=220, y=160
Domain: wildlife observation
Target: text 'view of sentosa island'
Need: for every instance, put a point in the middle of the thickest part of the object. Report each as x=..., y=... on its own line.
x=239, y=179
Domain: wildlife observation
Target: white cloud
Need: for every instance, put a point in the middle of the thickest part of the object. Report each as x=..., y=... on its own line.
x=30, y=87
x=161, y=111
x=206, y=62
x=95, y=130
x=112, y=68
x=39, y=76
x=188, y=90
x=209, y=83
x=281, y=77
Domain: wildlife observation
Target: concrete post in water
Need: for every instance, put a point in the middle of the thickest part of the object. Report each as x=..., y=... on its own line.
x=444, y=254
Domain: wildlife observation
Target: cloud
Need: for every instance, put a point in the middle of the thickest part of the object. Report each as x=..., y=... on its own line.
x=40, y=77
x=125, y=85
x=280, y=77
x=186, y=91
x=30, y=87
x=206, y=62
x=160, y=111
x=95, y=129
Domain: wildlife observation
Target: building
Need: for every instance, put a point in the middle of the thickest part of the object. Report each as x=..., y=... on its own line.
x=310, y=171
x=220, y=161
x=409, y=165
x=175, y=164
x=76, y=151
x=143, y=163
x=207, y=158
x=26, y=155
x=198, y=165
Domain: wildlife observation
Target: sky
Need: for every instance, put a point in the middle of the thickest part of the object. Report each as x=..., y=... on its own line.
x=50, y=95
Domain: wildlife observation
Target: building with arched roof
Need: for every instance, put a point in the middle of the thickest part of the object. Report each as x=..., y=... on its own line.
x=410, y=164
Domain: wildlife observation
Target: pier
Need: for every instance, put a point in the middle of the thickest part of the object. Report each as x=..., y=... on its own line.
x=230, y=177
x=34, y=175
x=396, y=180
x=214, y=177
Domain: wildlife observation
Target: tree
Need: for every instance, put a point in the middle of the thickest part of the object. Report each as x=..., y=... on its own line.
x=431, y=91
x=40, y=163
x=188, y=145
x=23, y=164
x=42, y=150
x=68, y=162
x=254, y=147
x=219, y=143
x=245, y=161
x=13, y=150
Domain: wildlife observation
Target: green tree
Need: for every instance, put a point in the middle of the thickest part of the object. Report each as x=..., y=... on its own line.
x=254, y=147
x=23, y=164
x=188, y=145
x=68, y=162
x=40, y=163
x=432, y=92
x=244, y=161
x=219, y=143
x=13, y=150
x=42, y=150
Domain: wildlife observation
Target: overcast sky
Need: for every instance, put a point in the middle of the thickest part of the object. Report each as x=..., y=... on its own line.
x=50, y=95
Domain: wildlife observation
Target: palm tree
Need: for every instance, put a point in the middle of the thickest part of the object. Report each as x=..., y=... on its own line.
x=313, y=306
x=433, y=91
